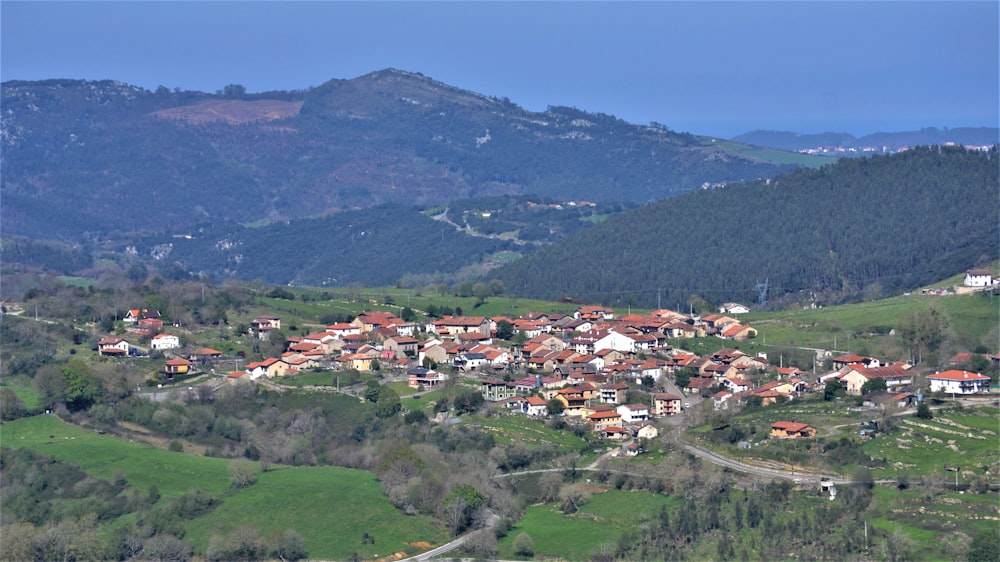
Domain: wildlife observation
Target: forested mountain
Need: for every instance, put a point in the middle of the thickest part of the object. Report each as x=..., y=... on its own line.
x=857, y=227
x=785, y=140
x=378, y=246
x=98, y=157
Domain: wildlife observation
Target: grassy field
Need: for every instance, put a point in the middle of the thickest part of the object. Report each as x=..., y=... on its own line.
x=103, y=456
x=330, y=507
x=971, y=318
x=579, y=536
x=21, y=386
x=968, y=439
x=519, y=429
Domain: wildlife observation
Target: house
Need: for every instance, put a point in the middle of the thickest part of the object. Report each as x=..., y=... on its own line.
x=264, y=324
x=720, y=400
x=427, y=378
x=341, y=329
x=594, y=313
x=646, y=431
x=255, y=370
x=959, y=382
x=149, y=326
x=575, y=398
x=356, y=361
x=470, y=361
x=615, y=433
x=604, y=419
x=842, y=361
x=733, y=308
x=632, y=413
x=113, y=347
x=133, y=316
x=980, y=278
x=736, y=385
x=165, y=341
x=614, y=393
x=854, y=376
x=372, y=320
x=404, y=345
x=176, y=367
x=535, y=406
x=738, y=332
x=665, y=404
x=495, y=390
x=631, y=449
x=791, y=430
x=454, y=325
x=880, y=399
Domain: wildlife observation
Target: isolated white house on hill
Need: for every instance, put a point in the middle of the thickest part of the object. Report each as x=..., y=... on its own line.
x=980, y=278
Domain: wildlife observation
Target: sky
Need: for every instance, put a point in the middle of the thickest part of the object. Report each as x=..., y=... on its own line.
x=710, y=68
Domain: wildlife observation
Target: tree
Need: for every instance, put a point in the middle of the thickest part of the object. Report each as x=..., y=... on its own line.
x=832, y=389
x=288, y=546
x=388, y=404
x=683, y=376
x=505, y=330
x=876, y=384
x=462, y=507
x=924, y=411
x=234, y=90
x=985, y=546
x=11, y=407
x=554, y=407
x=480, y=291
x=497, y=287
x=524, y=545
x=242, y=473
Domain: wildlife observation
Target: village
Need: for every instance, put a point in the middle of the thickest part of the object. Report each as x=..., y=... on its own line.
x=589, y=367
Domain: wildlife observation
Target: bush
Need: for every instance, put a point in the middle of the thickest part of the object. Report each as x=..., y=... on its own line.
x=524, y=545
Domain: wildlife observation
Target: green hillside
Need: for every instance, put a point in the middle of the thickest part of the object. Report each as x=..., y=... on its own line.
x=857, y=228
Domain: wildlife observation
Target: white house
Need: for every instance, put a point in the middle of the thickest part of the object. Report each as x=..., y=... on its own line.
x=733, y=308
x=615, y=341
x=980, y=278
x=470, y=361
x=959, y=382
x=535, y=406
x=165, y=341
x=632, y=413
x=113, y=346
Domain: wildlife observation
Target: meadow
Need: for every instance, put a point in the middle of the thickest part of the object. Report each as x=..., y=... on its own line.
x=593, y=528
x=330, y=507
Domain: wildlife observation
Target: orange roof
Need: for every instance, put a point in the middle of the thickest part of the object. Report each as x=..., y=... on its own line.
x=956, y=375
x=790, y=426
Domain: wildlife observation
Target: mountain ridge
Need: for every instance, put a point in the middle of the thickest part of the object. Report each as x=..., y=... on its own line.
x=100, y=156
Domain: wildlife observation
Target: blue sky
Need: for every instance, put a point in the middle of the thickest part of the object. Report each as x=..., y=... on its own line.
x=714, y=68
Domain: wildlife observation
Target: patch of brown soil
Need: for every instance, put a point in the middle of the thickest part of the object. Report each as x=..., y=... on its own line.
x=233, y=112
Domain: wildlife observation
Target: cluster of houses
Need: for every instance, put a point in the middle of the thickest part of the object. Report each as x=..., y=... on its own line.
x=584, y=360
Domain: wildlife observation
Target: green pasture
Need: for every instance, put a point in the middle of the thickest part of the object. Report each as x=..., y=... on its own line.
x=579, y=536
x=926, y=446
x=929, y=522
x=528, y=432
x=22, y=388
x=970, y=317
x=330, y=507
x=104, y=456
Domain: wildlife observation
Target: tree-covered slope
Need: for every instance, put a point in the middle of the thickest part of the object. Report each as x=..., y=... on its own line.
x=859, y=226
x=376, y=246
x=101, y=156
